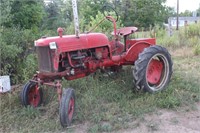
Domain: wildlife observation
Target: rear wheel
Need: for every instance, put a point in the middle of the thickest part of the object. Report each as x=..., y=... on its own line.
x=31, y=95
x=67, y=107
x=153, y=69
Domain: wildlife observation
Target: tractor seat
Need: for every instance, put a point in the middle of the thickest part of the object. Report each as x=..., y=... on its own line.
x=125, y=31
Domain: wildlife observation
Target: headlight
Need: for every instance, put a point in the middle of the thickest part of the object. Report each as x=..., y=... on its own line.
x=52, y=45
x=35, y=43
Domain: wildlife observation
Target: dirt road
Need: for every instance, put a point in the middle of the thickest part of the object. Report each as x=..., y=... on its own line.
x=183, y=120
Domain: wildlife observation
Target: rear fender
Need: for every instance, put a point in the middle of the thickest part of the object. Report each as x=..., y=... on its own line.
x=133, y=51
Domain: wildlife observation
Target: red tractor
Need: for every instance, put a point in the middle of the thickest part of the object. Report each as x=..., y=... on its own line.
x=76, y=56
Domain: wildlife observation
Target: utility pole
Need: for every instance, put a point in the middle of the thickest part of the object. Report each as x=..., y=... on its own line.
x=177, y=19
x=75, y=12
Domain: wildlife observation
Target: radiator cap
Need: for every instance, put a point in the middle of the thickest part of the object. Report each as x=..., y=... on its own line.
x=60, y=31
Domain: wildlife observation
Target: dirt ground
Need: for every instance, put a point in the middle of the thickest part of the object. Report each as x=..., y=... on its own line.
x=183, y=120
x=165, y=121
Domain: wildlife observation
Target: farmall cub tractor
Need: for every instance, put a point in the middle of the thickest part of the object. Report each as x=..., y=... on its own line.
x=76, y=56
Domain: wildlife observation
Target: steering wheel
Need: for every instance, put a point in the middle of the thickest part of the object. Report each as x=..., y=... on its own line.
x=108, y=11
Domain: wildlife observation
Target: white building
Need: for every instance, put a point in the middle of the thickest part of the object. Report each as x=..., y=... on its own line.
x=183, y=21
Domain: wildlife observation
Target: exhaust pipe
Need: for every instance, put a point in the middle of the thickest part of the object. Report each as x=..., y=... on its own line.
x=75, y=13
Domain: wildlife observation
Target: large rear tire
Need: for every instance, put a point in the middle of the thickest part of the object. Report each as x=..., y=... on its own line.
x=31, y=95
x=153, y=69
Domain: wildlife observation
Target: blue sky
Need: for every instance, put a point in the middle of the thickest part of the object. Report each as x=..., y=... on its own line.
x=191, y=5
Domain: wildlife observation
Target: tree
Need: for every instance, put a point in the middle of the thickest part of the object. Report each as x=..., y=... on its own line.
x=90, y=8
x=105, y=27
x=143, y=13
x=186, y=13
x=5, y=16
x=140, y=13
x=56, y=17
x=27, y=14
x=169, y=12
x=19, y=19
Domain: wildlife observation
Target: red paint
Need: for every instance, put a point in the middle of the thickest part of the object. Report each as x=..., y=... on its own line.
x=114, y=25
x=125, y=31
x=72, y=43
x=77, y=76
x=154, y=71
x=34, y=96
x=133, y=51
x=48, y=76
x=79, y=57
x=105, y=56
x=71, y=108
x=131, y=42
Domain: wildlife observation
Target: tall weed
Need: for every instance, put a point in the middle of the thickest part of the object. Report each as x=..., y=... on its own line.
x=193, y=30
x=186, y=36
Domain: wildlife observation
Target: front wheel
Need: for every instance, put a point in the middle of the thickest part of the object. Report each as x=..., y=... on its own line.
x=31, y=95
x=67, y=107
x=153, y=69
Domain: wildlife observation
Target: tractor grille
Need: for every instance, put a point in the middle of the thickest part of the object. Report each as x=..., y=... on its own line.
x=44, y=59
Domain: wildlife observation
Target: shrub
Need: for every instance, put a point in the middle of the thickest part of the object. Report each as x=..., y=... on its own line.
x=193, y=41
x=197, y=49
x=15, y=46
x=188, y=36
x=29, y=67
x=169, y=41
x=157, y=31
x=193, y=30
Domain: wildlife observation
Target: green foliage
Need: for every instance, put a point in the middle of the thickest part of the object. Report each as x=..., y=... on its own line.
x=90, y=8
x=15, y=51
x=105, y=27
x=140, y=13
x=186, y=36
x=30, y=112
x=27, y=14
x=193, y=30
x=54, y=16
x=197, y=49
x=29, y=67
x=193, y=41
x=157, y=31
x=169, y=41
x=5, y=15
x=186, y=13
x=143, y=13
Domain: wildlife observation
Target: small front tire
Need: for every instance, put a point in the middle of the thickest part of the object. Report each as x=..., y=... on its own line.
x=31, y=95
x=67, y=107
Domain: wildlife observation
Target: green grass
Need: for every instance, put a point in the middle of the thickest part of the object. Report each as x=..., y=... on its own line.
x=108, y=104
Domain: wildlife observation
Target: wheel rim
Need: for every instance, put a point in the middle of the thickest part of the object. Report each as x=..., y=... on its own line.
x=34, y=96
x=157, y=72
x=71, y=108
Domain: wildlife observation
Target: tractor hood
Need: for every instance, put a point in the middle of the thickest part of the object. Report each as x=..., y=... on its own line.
x=72, y=43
